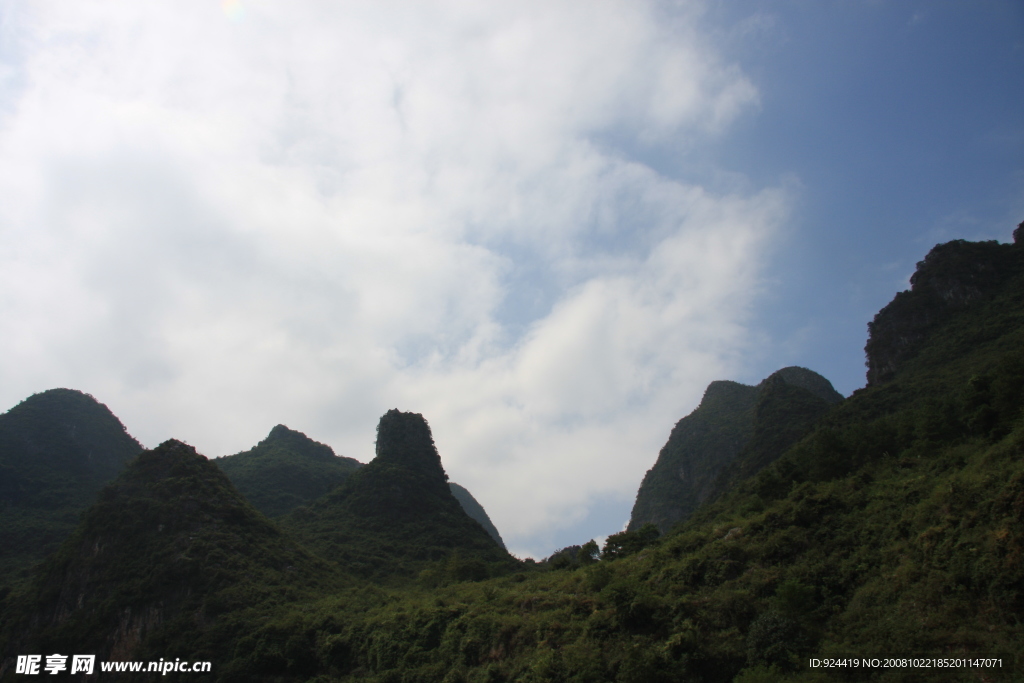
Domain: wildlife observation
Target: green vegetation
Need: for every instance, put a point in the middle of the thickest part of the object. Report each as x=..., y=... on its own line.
x=891, y=523
x=170, y=561
x=57, y=449
x=285, y=470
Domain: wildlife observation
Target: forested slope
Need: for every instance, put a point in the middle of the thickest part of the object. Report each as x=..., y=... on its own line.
x=57, y=449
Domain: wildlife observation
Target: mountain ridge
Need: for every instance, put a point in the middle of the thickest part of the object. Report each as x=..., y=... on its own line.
x=890, y=519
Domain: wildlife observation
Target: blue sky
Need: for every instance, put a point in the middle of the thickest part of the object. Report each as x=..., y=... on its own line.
x=904, y=125
x=545, y=226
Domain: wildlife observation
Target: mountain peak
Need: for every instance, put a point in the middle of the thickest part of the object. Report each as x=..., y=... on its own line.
x=67, y=430
x=281, y=432
x=57, y=450
x=285, y=470
x=281, y=435
x=404, y=439
x=797, y=376
x=170, y=460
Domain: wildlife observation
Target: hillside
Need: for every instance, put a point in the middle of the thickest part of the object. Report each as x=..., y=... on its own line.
x=164, y=563
x=285, y=470
x=57, y=449
x=396, y=514
x=735, y=431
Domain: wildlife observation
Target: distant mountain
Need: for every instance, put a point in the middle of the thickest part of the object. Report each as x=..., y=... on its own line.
x=57, y=449
x=476, y=511
x=735, y=431
x=396, y=513
x=156, y=566
x=285, y=470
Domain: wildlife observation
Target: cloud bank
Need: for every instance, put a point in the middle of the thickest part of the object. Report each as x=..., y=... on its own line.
x=216, y=218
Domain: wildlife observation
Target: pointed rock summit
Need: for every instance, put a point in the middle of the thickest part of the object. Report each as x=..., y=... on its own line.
x=396, y=513
x=735, y=431
x=280, y=435
x=404, y=440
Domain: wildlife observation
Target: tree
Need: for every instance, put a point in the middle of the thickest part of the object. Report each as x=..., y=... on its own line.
x=627, y=543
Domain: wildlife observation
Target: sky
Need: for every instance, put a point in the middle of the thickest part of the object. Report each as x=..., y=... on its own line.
x=546, y=226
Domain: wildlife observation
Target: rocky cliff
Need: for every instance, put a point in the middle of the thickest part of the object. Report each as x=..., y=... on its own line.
x=735, y=431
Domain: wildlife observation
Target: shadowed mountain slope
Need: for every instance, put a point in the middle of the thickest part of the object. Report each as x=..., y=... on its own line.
x=476, y=511
x=160, y=566
x=397, y=512
x=57, y=449
x=735, y=431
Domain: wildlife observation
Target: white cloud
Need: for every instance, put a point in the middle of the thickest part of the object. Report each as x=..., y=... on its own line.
x=218, y=220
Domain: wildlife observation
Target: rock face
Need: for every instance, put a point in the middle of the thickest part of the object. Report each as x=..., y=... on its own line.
x=57, y=449
x=404, y=440
x=167, y=548
x=285, y=470
x=395, y=513
x=953, y=277
x=735, y=431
